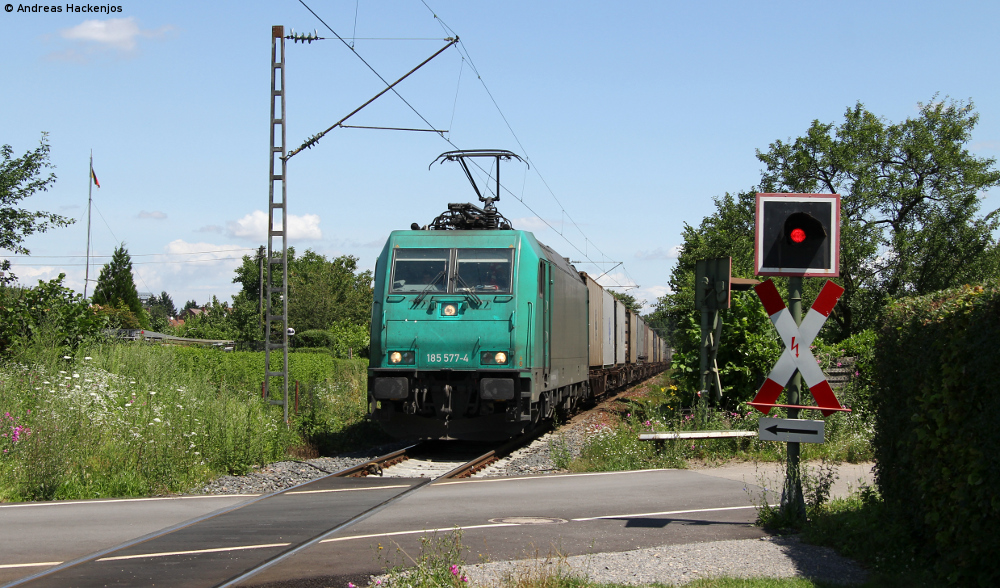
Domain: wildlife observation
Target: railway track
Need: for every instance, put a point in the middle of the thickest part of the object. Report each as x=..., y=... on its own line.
x=440, y=460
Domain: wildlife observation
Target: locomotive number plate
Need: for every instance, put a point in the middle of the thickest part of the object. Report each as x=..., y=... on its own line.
x=447, y=357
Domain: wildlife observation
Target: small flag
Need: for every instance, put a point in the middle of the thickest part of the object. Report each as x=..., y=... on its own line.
x=93, y=175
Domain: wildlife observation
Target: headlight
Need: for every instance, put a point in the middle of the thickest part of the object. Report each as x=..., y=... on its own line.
x=449, y=310
x=401, y=357
x=493, y=357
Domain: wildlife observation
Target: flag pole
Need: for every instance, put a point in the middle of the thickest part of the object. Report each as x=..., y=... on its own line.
x=90, y=195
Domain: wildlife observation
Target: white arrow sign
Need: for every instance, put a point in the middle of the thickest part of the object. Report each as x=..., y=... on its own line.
x=795, y=430
x=797, y=339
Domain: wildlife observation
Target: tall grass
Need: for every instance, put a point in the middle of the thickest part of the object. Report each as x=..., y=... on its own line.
x=657, y=406
x=132, y=419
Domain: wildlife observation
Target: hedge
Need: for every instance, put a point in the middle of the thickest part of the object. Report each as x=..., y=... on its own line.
x=245, y=369
x=936, y=445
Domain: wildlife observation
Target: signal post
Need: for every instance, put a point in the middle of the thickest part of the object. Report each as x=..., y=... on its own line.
x=797, y=236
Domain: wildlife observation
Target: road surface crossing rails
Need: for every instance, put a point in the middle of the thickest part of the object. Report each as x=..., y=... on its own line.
x=278, y=524
x=254, y=533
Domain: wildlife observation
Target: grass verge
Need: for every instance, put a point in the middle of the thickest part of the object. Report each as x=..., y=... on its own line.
x=136, y=420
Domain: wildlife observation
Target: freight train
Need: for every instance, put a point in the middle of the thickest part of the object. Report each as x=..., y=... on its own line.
x=480, y=331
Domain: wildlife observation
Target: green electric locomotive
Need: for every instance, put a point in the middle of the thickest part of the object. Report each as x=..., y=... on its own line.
x=466, y=340
x=480, y=331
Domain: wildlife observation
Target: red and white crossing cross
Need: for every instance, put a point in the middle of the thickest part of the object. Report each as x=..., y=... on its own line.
x=797, y=339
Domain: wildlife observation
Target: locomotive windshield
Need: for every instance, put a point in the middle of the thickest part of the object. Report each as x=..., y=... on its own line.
x=483, y=270
x=416, y=270
x=470, y=270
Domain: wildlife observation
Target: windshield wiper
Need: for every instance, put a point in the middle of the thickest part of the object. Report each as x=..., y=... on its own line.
x=468, y=290
x=423, y=293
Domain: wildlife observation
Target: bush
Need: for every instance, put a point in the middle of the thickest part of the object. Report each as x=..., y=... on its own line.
x=50, y=309
x=938, y=458
x=313, y=338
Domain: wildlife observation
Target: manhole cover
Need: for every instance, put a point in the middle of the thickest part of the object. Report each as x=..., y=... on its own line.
x=528, y=520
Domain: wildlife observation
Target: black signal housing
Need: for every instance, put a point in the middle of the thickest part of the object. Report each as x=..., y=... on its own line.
x=797, y=235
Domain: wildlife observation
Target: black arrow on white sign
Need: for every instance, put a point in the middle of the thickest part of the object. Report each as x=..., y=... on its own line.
x=775, y=429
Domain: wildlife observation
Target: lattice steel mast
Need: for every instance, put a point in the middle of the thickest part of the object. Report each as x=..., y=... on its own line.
x=276, y=311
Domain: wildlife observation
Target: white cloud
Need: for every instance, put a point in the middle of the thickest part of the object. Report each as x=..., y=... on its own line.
x=191, y=270
x=254, y=227
x=209, y=229
x=529, y=223
x=155, y=214
x=115, y=35
x=660, y=253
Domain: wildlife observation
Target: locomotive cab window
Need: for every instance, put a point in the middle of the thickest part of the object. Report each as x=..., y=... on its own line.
x=417, y=270
x=484, y=270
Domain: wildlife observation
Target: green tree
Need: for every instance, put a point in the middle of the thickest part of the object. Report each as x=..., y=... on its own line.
x=160, y=309
x=629, y=302
x=19, y=179
x=321, y=291
x=50, y=315
x=910, y=199
x=910, y=223
x=214, y=323
x=116, y=287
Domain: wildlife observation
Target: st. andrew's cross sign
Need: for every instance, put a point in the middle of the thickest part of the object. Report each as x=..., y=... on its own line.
x=797, y=355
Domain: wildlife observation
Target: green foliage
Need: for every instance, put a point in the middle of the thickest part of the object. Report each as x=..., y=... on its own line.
x=861, y=527
x=313, y=338
x=938, y=462
x=116, y=287
x=910, y=223
x=50, y=315
x=910, y=196
x=118, y=419
x=631, y=304
x=215, y=323
x=438, y=564
x=750, y=349
x=342, y=340
x=131, y=419
x=160, y=309
x=118, y=316
x=321, y=291
x=19, y=179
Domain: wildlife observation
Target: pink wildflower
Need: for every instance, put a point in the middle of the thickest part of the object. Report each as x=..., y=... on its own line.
x=454, y=570
x=465, y=578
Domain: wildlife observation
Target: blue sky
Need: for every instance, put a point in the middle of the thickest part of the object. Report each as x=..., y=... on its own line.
x=633, y=116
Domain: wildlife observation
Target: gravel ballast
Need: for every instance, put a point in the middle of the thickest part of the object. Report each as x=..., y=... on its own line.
x=770, y=557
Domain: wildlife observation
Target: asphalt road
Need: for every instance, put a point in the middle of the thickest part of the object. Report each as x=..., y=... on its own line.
x=500, y=518
x=588, y=513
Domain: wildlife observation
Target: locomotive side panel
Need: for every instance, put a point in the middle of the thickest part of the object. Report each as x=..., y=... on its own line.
x=569, y=343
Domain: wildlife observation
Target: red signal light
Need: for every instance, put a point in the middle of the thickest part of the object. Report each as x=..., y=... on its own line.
x=798, y=235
